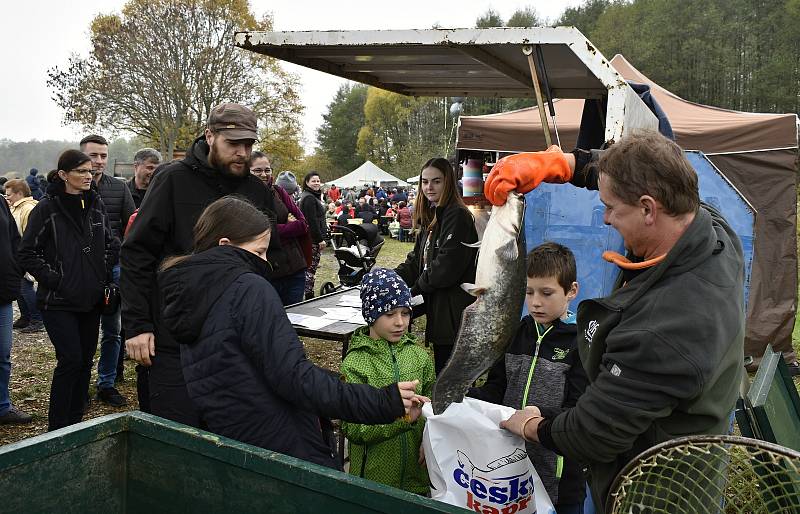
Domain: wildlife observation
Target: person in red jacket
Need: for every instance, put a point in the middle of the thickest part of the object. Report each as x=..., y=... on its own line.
x=334, y=193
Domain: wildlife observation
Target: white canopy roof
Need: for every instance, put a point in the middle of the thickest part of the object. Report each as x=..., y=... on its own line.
x=367, y=173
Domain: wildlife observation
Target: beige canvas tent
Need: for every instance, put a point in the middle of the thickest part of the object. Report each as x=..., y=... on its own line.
x=756, y=152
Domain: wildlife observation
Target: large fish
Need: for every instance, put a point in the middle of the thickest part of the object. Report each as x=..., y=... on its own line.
x=489, y=323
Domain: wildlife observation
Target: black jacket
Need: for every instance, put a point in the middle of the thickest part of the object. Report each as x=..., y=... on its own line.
x=246, y=370
x=554, y=384
x=10, y=272
x=664, y=354
x=439, y=276
x=72, y=263
x=118, y=201
x=136, y=194
x=314, y=211
x=164, y=227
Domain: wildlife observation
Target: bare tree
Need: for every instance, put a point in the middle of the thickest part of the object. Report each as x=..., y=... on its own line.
x=159, y=67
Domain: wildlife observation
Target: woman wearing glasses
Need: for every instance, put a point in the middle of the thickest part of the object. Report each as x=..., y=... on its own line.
x=290, y=275
x=69, y=249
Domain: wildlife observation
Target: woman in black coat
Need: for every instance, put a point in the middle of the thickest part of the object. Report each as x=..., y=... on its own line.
x=70, y=250
x=245, y=369
x=440, y=262
x=311, y=203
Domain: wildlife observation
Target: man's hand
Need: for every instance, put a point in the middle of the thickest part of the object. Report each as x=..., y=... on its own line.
x=290, y=218
x=525, y=171
x=524, y=423
x=141, y=348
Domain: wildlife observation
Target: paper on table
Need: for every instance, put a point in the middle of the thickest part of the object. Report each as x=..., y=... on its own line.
x=311, y=322
x=350, y=301
x=340, y=313
x=357, y=319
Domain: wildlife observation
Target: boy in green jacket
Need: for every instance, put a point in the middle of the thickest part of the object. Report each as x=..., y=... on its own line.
x=380, y=354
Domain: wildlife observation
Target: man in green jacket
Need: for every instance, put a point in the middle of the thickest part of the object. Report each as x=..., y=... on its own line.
x=383, y=353
x=664, y=351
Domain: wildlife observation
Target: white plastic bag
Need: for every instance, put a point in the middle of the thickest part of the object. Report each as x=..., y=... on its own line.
x=475, y=464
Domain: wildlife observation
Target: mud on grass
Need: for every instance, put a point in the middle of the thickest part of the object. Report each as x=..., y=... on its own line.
x=33, y=359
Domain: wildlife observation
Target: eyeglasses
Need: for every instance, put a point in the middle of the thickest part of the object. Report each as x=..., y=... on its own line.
x=261, y=171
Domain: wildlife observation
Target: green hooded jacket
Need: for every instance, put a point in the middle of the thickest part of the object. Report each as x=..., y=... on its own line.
x=388, y=453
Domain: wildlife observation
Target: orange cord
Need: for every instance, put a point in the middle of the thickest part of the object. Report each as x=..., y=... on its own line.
x=624, y=263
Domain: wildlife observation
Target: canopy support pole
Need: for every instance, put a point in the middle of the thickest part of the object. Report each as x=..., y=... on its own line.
x=528, y=51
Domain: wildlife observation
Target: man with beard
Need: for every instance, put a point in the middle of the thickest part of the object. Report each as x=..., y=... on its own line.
x=145, y=163
x=215, y=166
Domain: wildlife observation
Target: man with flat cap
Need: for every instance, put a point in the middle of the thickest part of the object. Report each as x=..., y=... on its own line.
x=216, y=165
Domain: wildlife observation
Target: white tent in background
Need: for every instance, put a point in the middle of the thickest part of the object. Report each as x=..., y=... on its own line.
x=368, y=173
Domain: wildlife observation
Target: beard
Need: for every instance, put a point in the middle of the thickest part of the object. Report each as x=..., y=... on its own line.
x=224, y=166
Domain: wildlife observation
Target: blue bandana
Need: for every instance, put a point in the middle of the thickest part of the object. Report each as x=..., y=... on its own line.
x=381, y=291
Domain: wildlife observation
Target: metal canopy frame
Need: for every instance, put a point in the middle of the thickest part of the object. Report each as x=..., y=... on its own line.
x=463, y=62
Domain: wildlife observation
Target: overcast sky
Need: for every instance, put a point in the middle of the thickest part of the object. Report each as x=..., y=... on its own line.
x=40, y=34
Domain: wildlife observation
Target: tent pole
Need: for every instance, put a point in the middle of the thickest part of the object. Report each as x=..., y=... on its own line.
x=551, y=106
x=528, y=51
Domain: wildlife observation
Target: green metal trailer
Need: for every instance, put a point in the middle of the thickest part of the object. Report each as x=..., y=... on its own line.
x=138, y=463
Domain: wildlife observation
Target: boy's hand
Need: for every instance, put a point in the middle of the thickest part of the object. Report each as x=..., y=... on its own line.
x=416, y=408
x=412, y=402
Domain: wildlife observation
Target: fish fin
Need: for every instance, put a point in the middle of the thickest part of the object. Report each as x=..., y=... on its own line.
x=476, y=244
x=509, y=251
x=473, y=289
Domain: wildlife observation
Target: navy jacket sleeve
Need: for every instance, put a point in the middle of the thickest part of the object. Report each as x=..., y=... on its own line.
x=270, y=341
x=141, y=255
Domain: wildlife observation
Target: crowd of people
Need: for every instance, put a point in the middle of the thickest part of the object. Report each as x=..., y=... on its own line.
x=192, y=262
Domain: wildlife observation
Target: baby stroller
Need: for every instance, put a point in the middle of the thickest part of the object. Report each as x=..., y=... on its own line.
x=355, y=250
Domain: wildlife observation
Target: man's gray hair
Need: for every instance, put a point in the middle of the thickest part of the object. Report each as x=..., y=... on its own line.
x=147, y=154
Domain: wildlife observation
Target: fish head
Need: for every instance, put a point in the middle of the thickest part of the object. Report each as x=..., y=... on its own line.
x=509, y=216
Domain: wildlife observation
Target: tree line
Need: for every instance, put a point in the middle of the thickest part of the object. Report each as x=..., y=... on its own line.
x=156, y=68
x=734, y=54
x=17, y=158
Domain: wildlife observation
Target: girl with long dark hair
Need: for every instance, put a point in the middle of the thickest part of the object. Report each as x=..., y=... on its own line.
x=245, y=369
x=440, y=261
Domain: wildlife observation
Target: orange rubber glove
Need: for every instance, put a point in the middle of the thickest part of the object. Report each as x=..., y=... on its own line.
x=524, y=172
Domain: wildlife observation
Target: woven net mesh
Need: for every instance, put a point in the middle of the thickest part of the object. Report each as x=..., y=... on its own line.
x=705, y=474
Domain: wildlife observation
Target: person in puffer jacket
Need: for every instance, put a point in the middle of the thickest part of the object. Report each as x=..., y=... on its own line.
x=378, y=355
x=245, y=369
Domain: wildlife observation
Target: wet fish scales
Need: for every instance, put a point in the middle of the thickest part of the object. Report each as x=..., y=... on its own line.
x=488, y=324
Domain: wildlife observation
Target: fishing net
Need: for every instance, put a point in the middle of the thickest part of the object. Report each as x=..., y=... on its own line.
x=710, y=474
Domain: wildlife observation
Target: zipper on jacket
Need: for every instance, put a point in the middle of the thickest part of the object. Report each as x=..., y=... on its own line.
x=539, y=339
x=403, y=441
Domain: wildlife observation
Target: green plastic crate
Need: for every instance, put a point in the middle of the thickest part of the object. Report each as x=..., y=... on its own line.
x=138, y=463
